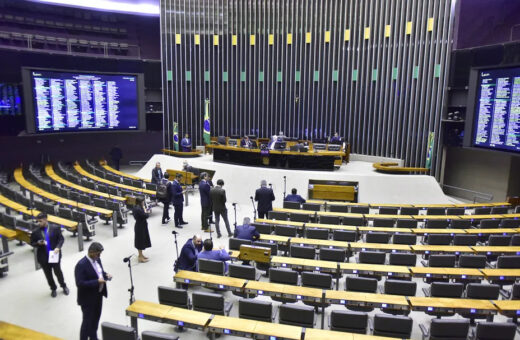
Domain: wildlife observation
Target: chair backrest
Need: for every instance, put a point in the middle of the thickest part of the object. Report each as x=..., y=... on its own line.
x=114, y=331
x=510, y=223
x=499, y=210
x=489, y=224
x=495, y=331
x=336, y=255
x=455, y=211
x=449, y=329
x=317, y=233
x=460, y=224
x=235, y=243
x=446, y=289
x=285, y=230
x=242, y=271
x=372, y=257
x=361, y=284
x=211, y=266
x=329, y=219
x=295, y=217
x=278, y=215
x=436, y=211
x=394, y=326
x=208, y=302
x=440, y=239
x=409, y=239
x=255, y=310
x=384, y=222
x=338, y=208
x=388, y=211
x=472, y=261
x=403, y=223
x=508, y=261
x=378, y=237
x=303, y=252
x=273, y=246
x=442, y=260
x=437, y=224
x=287, y=276
x=402, y=259
x=515, y=292
x=150, y=335
x=355, y=221
x=499, y=240
x=350, y=321
x=515, y=240
x=465, y=240
x=345, y=235
x=359, y=210
x=291, y=205
x=311, y=206
x=482, y=291
x=263, y=228
x=297, y=315
x=173, y=297
x=482, y=211
x=317, y=280
x=409, y=211
x=400, y=287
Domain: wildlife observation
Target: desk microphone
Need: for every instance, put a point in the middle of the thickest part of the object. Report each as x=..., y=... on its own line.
x=174, y=232
x=126, y=259
x=251, y=197
x=233, y=204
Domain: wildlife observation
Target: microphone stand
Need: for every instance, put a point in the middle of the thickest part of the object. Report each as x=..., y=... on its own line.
x=235, y=209
x=284, y=186
x=176, y=246
x=131, y=289
x=254, y=208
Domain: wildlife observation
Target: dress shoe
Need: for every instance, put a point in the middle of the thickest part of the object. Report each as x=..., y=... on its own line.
x=183, y=222
x=219, y=236
x=66, y=291
x=54, y=294
x=230, y=235
x=178, y=226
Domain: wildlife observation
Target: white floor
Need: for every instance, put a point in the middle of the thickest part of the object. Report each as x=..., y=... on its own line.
x=25, y=296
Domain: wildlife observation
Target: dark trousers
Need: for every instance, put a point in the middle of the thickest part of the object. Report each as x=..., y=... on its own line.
x=116, y=164
x=205, y=216
x=91, y=314
x=262, y=214
x=47, y=270
x=165, y=213
x=177, y=216
x=226, y=221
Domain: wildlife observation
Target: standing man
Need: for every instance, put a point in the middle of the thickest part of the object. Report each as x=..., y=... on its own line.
x=157, y=173
x=166, y=189
x=246, y=231
x=188, y=258
x=178, y=200
x=294, y=197
x=116, y=154
x=265, y=197
x=205, y=201
x=186, y=143
x=218, y=199
x=91, y=281
x=49, y=239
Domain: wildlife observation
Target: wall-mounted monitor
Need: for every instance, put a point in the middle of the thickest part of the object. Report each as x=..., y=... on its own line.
x=10, y=99
x=493, y=121
x=72, y=101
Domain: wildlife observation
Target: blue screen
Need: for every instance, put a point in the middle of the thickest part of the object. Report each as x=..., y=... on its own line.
x=10, y=101
x=497, y=120
x=66, y=101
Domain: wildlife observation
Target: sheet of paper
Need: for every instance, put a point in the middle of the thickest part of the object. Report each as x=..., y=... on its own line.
x=54, y=257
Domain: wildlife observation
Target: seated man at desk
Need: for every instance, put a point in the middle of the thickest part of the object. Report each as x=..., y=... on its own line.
x=209, y=254
x=246, y=142
x=246, y=231
x=186, y=143
x=294, y=197
x=336, y=139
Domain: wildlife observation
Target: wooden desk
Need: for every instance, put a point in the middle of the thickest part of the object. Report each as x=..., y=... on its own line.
x=497, y=250
x=234, y=326
x=274, y=238
x=7, y=233
x=55, y=177
x=148, y=310
x=366, y=299
x=323, y=202
x=319, y=243
x=278, y=330
x=374, y=269
x=508, y=307
x=394, y=168
x=501, y=273
x=390, y=205
x=511, y=216
x=366, y=230
x=84, y=173
x=426, y=231
x=105, y=166
x=193, y=153
x=436, y=205
x=450, y=273
x=303, y=264
x=481, y=217
x=187, y=318
x=388, y=248
x=453, y=305
x=209, y=281
x=429, y=249
x=9, y=331
x=386, y=216
x=320, y=334
x=435, y=217
x=280, y=222
x=497, y=231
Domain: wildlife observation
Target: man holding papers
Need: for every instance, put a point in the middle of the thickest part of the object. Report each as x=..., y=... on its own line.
x=48, y=241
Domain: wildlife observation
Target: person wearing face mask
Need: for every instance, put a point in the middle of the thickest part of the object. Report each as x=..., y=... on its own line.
x=91, y=280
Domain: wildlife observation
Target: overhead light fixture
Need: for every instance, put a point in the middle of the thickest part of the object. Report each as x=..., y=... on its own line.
x=150, y=8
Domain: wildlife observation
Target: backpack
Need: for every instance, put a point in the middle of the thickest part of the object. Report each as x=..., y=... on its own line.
x=162, y=190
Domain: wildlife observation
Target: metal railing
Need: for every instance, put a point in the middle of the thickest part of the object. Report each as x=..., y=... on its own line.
x=474, y=195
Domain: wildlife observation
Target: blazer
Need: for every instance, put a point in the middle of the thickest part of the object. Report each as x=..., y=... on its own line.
x=55, y=241
x=218, y=199
x=177, y=198
x=186, y=145
x=188, y=257
x=157, y=175
x=87, y=282
x=294, y=198
x=246, y=232
x=265, y=198
x=204, y=190
x=217, y=255
x=245, y=143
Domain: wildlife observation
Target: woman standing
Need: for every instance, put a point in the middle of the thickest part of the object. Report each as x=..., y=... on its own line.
x=142, y=237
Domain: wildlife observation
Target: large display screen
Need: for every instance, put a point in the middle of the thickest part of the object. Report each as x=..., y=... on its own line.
x=81, y=101
x=497, y=109
x=10, y=100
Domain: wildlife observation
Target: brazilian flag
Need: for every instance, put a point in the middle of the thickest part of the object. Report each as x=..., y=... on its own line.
x=207, y=125
x=431, y=142
x=175, y=136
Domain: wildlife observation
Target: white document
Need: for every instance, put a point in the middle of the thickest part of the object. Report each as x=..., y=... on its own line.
x=54, y=257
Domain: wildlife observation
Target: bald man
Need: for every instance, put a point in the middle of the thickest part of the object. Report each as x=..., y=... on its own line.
x=188, y=258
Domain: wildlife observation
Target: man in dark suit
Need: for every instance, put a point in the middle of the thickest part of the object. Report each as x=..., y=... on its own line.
x=91, y=280
x=265, y=197
x=205, y=201
x=168, y=199
x=48, y=239
x=186, y=143
x=218, y=201
x=188, y=257
x=246, y=143
x=157, y=173
x=116, y=154
x=294, y=197
x=336, y=139
x=246, y=231
x=178, y=200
